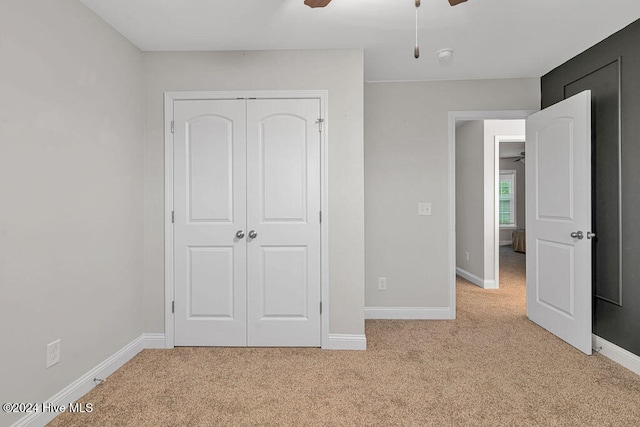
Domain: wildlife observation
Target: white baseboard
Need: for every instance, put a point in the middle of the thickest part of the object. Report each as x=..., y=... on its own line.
x=490, y=284
x=85, y=383
x=416, y=313
x=617, y=354
x=347, y=342
x=505, y=242
x=478, y=281
x=153, y=340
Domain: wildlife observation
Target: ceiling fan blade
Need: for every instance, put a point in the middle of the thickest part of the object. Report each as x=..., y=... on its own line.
x=319, y=3
x=522, y=154
x=455, y=2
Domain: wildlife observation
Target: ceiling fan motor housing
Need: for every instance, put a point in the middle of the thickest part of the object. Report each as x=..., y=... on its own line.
x=317, y=3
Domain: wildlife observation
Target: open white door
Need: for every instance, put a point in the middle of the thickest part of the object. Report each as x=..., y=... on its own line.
x=558, y=179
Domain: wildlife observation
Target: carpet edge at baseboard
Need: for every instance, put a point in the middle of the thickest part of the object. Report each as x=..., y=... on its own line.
x=86, y=383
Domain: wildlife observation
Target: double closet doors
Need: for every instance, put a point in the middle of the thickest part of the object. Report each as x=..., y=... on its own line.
x=246, y=226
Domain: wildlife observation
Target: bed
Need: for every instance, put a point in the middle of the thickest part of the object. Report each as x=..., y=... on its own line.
x=519, y=240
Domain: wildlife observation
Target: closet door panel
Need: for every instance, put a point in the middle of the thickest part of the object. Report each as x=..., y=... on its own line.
x=209, y=203
x=283, y=206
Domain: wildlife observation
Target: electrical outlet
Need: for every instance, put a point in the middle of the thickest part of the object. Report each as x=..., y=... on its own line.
x=466, y=256
x=53, y=353
x=382, y=283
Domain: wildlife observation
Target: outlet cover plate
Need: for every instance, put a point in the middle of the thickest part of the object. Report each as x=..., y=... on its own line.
x=53, y=353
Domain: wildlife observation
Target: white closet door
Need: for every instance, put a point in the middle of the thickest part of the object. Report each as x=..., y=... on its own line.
x=283, y=206
x=209, y=203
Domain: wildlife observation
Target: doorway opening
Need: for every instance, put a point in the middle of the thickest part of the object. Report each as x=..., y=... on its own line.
x=476, y=232
x=559, y=206
x=489, y=196
x=510, y=207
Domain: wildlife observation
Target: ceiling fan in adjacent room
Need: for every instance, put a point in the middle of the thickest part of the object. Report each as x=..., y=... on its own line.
x=323, y=3
x=519, y=158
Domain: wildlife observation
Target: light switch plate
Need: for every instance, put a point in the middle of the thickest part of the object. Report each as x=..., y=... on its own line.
x=424, y=208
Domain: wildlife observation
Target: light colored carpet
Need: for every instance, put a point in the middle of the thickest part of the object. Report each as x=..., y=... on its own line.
x=490, y=367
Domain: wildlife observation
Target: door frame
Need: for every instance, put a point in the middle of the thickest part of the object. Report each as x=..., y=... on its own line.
x=169, y=280
x=455, y=116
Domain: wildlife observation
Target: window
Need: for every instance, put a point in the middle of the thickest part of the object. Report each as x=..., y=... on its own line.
x=507, y=199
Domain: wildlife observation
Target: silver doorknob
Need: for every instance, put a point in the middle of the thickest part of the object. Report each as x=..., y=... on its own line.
x=253, y=234
x=577, y=235
x=239, y=234
x=590, y=235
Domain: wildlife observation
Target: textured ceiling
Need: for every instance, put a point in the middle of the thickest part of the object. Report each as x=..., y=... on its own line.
x=490, y=38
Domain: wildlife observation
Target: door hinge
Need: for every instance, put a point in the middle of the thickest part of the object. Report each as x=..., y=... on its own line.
x=173, y=306
x=173, y=216
x=320, y=307
x=171, y=126
x=319, y=123
x=320, y=215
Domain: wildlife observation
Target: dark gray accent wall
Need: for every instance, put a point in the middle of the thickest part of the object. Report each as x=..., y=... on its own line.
x=611, y=70
x=604, y=84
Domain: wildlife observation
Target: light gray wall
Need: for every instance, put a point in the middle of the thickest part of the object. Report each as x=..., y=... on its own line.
x=470, y=212
x=71, y=184
x=406, y=161
x=341, y=73
x=519, y=167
